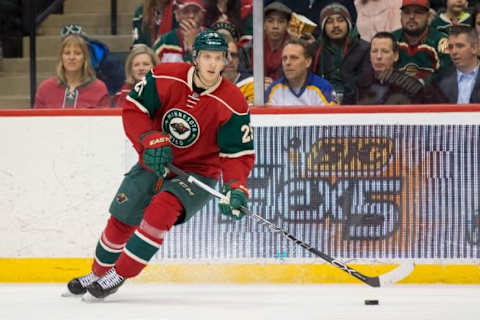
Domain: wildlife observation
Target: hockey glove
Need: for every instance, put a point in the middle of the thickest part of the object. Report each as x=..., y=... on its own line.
x=157, y=152
x=237, y=196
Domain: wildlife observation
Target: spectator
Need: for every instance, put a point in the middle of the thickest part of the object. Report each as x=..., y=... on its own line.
x=140, y=60
x=227, y=30
x=340, y=53
x=381, y=83
x=476, y=18
x=377, y=15
x=224, y=11
x=176, y=45
x=151, y=20
x=299, y=86
x=243, y=79
x=455, y=14
x=460, y=84
x=422, y=50
x=75, y=85
x=276, y=17
x=312, y=8
x=107, y=67
x=438, y=5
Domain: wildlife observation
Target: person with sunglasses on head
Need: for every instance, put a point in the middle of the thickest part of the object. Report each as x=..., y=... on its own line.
x=75, y=84
x=108, y=67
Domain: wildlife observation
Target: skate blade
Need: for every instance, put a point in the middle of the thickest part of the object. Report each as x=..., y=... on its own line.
x=68, y=294
x=88, y=298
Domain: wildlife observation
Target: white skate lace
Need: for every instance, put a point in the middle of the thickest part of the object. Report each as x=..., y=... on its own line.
x=85, y=281
x=110, y=280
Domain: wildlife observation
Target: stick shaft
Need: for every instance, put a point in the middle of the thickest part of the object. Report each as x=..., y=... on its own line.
x=371, y=281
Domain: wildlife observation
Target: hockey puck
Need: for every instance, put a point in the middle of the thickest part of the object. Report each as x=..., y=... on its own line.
x=371, y=302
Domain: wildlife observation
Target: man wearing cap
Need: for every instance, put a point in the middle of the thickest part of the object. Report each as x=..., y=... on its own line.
x=276, y=18
x=340, y=53
x=422, y=49
x=176, y=45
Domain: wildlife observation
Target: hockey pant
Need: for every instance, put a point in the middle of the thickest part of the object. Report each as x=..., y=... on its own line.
x=160, y=216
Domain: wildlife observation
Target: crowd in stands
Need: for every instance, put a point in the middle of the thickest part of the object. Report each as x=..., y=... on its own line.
x=316, y=52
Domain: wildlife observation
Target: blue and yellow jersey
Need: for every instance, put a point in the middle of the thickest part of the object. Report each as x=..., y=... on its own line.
x=315, y=92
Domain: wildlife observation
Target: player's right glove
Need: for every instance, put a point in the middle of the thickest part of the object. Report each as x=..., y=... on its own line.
x=157, y=152
x=237, y=196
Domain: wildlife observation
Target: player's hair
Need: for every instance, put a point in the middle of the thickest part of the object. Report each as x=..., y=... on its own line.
x=137, y=49
x=387, y=35
x=88, y=73
x=308, y=50
x=470, y=32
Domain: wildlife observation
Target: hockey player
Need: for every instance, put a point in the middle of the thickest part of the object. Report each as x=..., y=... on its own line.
x=188, y=115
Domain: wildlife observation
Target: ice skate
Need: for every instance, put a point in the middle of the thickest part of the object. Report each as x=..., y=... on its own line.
x=106, y=285
x=78, y=286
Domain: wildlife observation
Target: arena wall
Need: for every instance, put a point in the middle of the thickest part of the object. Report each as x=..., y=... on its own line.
x=59, y=170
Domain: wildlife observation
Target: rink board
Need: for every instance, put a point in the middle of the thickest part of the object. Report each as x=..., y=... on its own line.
x=379, y=188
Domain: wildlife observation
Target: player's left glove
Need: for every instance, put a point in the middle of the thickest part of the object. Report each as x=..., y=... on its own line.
x=237, y=196
x=157, y=153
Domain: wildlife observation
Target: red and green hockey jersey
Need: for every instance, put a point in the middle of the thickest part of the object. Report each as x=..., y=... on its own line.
x=424, y=58
x=209, y=132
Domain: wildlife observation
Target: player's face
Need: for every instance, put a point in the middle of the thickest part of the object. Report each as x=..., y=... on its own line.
x=209, y=65
x=382, y=55
x=275, y=26
x=141, y=64
x=462, y=52
x=414, y=20
x=456, y=6
x=233, y=60
x=336, y=27
x=72, y=58
x=294, y=63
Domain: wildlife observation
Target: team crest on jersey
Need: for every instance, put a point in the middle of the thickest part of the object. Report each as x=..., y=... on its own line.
x=182, y=127
x=121, y=198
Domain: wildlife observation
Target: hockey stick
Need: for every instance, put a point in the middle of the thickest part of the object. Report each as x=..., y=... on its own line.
x=393, y=276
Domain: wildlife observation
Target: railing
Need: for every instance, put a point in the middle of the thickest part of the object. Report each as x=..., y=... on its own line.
x=33, y=20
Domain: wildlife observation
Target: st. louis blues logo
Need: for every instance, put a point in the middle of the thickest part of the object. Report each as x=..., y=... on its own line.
x=182, y=127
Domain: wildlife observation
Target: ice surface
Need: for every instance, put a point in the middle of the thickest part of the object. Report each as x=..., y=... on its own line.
x=160, y=301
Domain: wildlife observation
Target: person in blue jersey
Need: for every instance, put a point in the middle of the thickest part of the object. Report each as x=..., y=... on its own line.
x=299, y=86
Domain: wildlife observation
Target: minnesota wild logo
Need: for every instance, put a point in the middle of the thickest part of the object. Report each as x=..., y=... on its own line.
x=182, y=127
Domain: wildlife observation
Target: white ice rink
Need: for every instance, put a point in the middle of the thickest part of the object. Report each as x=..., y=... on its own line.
x=246, y=302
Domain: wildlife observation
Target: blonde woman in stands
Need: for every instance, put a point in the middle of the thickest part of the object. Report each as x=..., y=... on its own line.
x=140, y=60
x=75, y=85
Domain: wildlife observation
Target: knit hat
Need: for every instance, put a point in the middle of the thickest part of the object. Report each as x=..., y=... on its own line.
x=335, y=8
x=226, y=26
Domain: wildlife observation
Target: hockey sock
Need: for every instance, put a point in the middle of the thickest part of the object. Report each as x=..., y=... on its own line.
x=160, y=215
x=110, y=245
